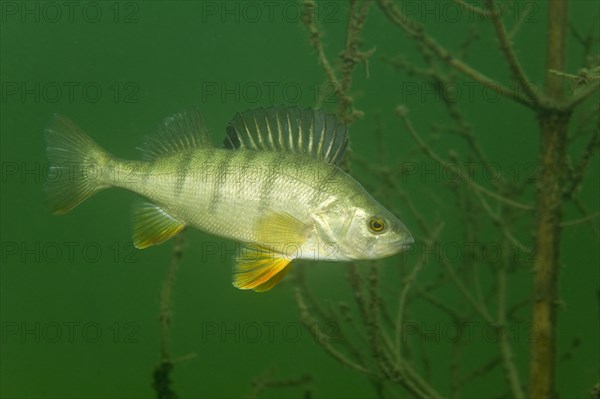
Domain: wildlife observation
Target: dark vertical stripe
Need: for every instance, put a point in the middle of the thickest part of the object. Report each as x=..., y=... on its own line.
x=271, y=172
x=322, y=174
x=183, y=169
x=206, y=167
x=222, y=170
x=248, y=157
x=148, y=172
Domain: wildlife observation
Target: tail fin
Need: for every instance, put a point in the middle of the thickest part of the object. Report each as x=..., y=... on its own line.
x=77, y=167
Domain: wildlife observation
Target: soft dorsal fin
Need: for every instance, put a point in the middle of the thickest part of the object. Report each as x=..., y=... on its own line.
x=182, y=131
x=300, y=131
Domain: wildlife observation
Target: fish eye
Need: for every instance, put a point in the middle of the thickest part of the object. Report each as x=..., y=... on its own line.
x=376, y=224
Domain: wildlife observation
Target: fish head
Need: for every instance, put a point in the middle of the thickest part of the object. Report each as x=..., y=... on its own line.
x=366, y=230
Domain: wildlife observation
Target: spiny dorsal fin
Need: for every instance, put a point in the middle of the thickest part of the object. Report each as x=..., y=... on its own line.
x=182, y=131
x=300, y=131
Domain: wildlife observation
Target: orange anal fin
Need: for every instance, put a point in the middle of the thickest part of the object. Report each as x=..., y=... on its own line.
x=259, y=269
x=272, y=282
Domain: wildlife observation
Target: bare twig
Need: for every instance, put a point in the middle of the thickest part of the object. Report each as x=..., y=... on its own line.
x=404, y=293
x=350, y=56
x=162, y=380
x=581, y=95
x=402, y=112
x=417, y=33
x=585, y=219
x=324, y=340
x=507, y=354
x=509, y=54
x=498, y=207
x=549, y=197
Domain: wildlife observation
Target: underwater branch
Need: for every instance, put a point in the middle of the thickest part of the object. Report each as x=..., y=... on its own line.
x=501, y=204
x=162, y=372
x=551, y=180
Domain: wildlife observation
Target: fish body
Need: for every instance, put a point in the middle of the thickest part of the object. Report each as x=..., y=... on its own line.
x=275, y=186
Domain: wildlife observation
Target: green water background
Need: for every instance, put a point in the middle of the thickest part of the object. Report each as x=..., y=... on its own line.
x=151, y=59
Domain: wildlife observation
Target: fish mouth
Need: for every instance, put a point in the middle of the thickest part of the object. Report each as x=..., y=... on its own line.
x=395, y=248
x=406, y=238
x=405, y=243
x=404, y=246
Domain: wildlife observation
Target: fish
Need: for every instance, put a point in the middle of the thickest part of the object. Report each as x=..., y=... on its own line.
x=275, y=186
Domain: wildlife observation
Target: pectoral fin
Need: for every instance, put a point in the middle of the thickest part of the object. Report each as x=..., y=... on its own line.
x=153, y=226
x=281, y=228
x=259, y=269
